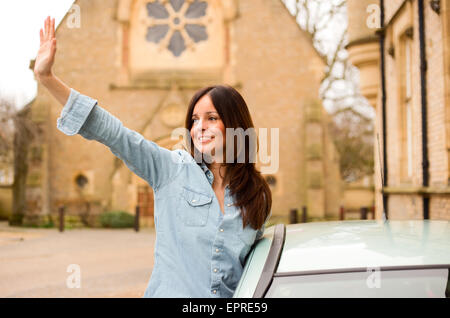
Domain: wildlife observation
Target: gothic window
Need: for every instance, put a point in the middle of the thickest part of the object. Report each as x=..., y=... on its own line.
x=176, y=24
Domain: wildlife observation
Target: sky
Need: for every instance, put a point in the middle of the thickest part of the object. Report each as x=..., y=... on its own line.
x=20, y=21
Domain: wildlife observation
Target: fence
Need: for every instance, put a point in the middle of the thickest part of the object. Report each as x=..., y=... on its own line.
x=62, y=211
x=363, y=214
x=293, y=215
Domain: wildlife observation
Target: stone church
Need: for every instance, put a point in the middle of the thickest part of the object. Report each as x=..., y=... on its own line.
x=143, y=61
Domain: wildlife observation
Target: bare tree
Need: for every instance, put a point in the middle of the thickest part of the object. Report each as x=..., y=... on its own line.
x=6, y=129
x=17, y=131
x=326, y=22
x=353, y=136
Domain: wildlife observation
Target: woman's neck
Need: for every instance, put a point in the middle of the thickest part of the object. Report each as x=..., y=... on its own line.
x=218, y=170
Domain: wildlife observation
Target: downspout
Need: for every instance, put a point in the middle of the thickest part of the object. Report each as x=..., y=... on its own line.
x=423, y=91
x=382, y=34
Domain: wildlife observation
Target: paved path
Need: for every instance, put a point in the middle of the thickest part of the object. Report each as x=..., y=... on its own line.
x=113, y=263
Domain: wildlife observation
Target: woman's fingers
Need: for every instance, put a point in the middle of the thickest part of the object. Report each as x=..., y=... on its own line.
x=46, y=28
x=48, y=23
x=52, y=29
x=41, y=36
x=49, y=29
x=48, y=33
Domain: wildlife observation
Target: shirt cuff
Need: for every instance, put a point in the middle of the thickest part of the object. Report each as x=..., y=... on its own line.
x=75, y=112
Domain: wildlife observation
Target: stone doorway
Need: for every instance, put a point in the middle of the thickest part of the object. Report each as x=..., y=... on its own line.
x=145, y=201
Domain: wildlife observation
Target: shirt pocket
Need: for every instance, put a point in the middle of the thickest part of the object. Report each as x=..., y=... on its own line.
x=193, y=209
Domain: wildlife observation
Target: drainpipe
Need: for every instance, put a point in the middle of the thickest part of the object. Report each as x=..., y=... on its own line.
x=382, y=35
x=423, y=91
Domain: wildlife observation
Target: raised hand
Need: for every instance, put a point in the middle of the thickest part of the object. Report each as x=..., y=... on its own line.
x=46, y=54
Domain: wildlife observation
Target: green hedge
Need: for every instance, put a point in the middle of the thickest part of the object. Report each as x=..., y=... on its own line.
x=117, y=219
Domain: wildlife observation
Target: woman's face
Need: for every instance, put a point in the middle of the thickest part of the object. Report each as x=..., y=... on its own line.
x=208, y=130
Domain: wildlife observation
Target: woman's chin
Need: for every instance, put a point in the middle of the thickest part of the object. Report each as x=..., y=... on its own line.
x=207, y=152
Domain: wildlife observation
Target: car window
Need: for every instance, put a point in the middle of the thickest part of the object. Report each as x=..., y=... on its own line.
x=372, y=283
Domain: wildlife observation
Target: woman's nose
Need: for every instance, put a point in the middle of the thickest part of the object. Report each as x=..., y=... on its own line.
x=202, y=125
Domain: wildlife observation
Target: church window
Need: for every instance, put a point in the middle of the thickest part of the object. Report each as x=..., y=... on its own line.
x=174, y=23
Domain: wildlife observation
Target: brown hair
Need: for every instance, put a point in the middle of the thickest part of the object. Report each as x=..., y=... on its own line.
x=252, y=193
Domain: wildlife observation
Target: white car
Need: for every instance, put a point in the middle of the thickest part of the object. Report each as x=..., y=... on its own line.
x=350, y=259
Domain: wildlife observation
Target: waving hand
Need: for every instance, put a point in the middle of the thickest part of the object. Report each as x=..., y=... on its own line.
x=46, y=55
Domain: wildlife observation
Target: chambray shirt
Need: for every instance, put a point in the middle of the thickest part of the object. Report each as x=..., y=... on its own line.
x=199, y=251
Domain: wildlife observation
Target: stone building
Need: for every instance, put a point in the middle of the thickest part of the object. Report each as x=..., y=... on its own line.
x=402, y=49
x=143, y=61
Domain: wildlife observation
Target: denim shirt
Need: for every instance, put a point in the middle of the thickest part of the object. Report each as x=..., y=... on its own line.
x=199, y=251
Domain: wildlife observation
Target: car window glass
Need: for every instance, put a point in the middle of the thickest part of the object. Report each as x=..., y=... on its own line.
x=392, y=283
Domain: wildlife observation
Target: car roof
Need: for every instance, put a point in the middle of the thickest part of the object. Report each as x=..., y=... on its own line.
x=322, y=246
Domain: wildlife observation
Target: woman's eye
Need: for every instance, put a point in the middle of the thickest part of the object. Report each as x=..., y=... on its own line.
x=194, y=120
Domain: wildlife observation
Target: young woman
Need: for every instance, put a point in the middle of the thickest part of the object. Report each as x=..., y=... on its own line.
x=208, y=213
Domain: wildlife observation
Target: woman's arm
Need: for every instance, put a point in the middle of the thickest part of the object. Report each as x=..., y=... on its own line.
x=81, y=115
x=56, y=87
x=44, y=62
x=157, y=165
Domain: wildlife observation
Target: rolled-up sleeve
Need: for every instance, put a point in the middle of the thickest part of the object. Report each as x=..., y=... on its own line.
x=157, y=165
x=75, y=112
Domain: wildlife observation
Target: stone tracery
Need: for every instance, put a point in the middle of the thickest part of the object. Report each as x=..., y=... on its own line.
x=176, y=24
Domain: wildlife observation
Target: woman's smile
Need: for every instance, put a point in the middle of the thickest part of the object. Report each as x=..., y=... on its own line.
x=205, y=139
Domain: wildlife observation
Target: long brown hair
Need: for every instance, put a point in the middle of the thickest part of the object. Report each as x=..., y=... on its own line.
x=252, y=193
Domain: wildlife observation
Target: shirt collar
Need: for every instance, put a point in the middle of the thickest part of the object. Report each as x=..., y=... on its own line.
x=208, y=173
x=204, y=167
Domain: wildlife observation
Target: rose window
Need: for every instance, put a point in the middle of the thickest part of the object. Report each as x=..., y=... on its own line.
x=176, y=25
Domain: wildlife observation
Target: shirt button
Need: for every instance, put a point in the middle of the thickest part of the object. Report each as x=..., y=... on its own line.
x=194, y=200
x=229, y=204
x=221, y=230
x=215, y=270
x=214, y=291
x=217, y=250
